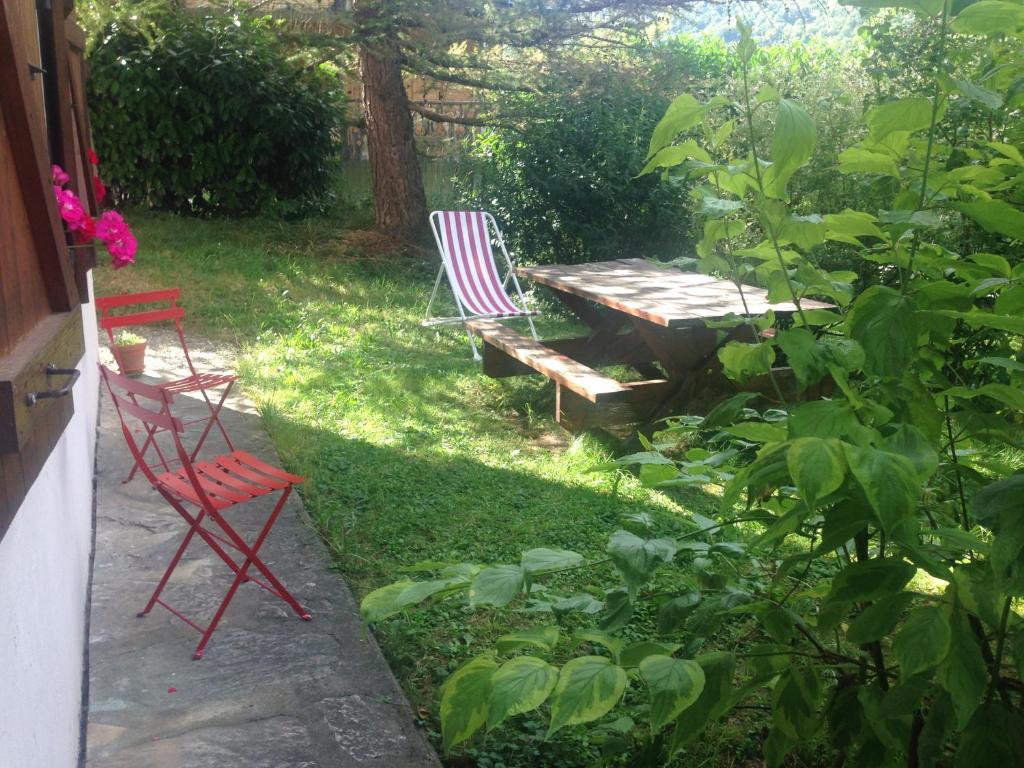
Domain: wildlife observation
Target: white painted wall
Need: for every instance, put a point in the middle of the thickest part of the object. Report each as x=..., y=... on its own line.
x=44, y=571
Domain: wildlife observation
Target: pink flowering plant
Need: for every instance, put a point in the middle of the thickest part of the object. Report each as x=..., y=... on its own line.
x=111, y=228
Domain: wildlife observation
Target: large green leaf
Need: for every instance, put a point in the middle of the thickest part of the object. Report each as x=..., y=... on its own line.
x=497, y=585
x=817, y=466
x=618, y=608
x=671, y=156
x=827, y=418
x=757, y=431
x=992, y=739
x=998, y=499
x=848, y=226
x=878, y=619
x=976, y=93
x=588, y=687
x=714, y=699
x=674, y=684
x=870, y=580
x=518, y=686
x=394, y=598
x=890, y=482
x=807, y=358
x=995, y=216
x=1009, y=396
x=744, y=361
x=673, y=614
x=909, y=114
x=804, y=232
x=795, y=703
x=464, y=700
x=682, y=114
x=792, y=145
x=882, y=321
x=543, y=638
x=637, y=559
x=978, y=318
x=923, y=641
x=990, y=17
x=543, y=559
x=634, y=654
x=860, y=160
x=963, y=673
x=908, y=441
x=601, y=637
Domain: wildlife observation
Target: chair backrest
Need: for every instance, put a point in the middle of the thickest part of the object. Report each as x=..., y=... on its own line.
x=131, y=313
x=138, y=403
x=465, y=245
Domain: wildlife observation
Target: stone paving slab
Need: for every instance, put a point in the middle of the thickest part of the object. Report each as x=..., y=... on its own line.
x=271, y=691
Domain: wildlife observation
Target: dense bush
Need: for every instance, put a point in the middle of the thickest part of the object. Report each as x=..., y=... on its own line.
x=565, y=180
x=563, y=188
x=207, y=114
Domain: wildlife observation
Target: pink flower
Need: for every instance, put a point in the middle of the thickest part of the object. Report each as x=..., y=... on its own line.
x=59, y=175
x=71, y=209
x=92, y=156
x=99, y=188
x=87, y=231
x=118, y=238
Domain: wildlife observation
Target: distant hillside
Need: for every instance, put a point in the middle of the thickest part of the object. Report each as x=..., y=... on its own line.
x=774, y=21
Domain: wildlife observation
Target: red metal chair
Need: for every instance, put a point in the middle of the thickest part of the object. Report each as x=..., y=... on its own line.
x=211, y=487
x=168, y=310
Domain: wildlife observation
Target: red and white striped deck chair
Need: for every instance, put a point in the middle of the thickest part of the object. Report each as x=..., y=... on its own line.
x=464, y=240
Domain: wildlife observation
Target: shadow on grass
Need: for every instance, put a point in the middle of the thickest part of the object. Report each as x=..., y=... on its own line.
x=382, y=508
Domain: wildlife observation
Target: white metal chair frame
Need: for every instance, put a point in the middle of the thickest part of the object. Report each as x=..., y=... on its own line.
x=446, y=266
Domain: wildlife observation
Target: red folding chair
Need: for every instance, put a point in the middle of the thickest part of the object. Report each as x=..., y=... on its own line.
x=211, y=487
x=194, y=382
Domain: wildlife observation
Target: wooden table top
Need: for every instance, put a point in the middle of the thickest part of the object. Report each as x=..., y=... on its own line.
x=662, y=295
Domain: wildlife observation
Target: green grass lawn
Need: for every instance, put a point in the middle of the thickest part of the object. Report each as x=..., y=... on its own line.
x=411, y=452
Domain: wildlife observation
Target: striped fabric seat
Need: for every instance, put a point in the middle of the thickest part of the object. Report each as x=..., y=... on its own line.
x=466, y=249
x=464, y=240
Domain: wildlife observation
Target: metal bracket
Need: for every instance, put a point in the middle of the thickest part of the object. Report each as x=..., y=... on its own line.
x=35, y=69
x=52, y=370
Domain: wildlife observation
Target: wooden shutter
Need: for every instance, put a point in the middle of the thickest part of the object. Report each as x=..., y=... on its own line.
x=40, y=318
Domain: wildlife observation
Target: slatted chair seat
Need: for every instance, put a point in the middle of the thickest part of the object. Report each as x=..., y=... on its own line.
x=464, y=241
x=199, y=382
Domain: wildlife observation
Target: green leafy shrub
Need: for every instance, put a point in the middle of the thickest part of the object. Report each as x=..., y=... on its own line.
x=563, y=182
x=562, y=186
x=868, y=548
x=205, y=113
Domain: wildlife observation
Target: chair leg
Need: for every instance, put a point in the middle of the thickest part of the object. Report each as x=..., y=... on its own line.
x=533, y=329
x=433, y=293
x=214, y=417
x=251, y=558
x=472, y=344
x=252, y=554
x=193, y=525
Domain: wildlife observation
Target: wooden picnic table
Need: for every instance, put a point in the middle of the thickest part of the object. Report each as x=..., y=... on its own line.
x=649, y=317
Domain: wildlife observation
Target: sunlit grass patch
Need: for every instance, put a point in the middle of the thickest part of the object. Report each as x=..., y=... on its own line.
x=411, y=452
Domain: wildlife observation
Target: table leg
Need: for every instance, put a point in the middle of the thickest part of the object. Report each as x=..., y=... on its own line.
x=606, y=343
x=690, y=356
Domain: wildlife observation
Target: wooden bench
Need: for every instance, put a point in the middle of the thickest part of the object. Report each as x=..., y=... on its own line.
x=574, y=376
x=584, y=397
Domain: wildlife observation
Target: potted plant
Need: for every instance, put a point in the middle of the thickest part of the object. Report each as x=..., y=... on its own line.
x=130, y=353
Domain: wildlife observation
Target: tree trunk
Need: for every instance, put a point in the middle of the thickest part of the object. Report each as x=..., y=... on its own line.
x=399, y=204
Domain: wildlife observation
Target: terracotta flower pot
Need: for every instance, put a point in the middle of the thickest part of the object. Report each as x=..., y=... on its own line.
x=131, y=358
